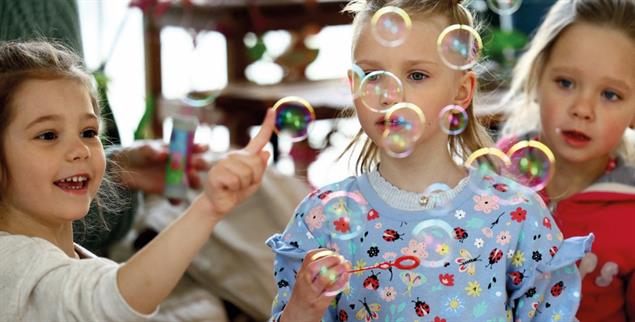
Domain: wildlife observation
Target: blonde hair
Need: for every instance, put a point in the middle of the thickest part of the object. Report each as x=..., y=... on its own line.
x=525, y=117
x=475, y=136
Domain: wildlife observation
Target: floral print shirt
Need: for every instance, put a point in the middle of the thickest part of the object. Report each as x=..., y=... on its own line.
x=493, y=253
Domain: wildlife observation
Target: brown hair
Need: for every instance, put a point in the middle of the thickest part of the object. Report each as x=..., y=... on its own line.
x=615, y=14
x=475, y=136
x=23, y=61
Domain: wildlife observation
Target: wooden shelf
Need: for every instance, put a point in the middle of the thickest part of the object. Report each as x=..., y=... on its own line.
x=234, y=19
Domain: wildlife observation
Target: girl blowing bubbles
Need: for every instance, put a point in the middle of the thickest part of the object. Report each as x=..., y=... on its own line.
x=575, y=89
x=51, y=166
x=481, y=257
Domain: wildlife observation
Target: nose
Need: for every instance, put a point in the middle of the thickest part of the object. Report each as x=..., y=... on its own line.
x=78, y=150
x=583, y=108
x=389, y=97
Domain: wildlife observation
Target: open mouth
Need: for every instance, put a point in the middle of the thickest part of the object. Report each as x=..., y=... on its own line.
x=74, y=183
x=576, y=136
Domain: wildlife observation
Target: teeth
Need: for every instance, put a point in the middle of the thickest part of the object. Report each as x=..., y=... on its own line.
x=75, y=179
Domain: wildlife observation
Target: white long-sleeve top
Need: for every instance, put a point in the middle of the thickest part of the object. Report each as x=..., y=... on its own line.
x=39, y=282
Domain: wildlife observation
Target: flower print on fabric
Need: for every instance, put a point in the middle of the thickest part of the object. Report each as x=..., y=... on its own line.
x=490, y=253
x=415, y=249
x=487, y=232
x=389, y=256
x=518, y=259
x=446, y=279
x=454, y=304
x=473, y=289
x=442, y=249
x=478, y=242
x=486, y=203
x=315, y=219
x=519, y=214
x=388, y=293
x=503, y=238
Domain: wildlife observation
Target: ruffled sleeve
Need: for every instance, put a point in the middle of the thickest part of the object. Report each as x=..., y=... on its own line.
x=302, y=234
x=543, y=281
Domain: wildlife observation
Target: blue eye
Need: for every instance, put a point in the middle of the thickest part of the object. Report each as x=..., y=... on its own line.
x=373, y=78
x=417, y=76
x=564, y=83
x=47, y=136
x=611, y=95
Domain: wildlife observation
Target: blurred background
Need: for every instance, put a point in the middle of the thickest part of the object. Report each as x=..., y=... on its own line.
x=226, y=61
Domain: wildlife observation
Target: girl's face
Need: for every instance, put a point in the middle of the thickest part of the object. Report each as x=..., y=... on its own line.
x=427, y=81
x=54, y=156
x=586, y=93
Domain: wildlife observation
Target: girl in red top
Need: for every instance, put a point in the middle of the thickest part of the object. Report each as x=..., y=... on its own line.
x=575, y=89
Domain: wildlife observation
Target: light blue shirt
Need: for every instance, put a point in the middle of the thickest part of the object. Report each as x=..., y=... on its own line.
x=492, y=253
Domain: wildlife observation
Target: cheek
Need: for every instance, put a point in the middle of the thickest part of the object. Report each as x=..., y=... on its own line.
x=22, y=169
x=547, y=100
x=549, y=113
x=100, y=165
x=612, y=135
x=366, y=117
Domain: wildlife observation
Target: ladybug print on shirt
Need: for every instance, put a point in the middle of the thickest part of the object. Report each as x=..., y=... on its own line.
x=470, y=272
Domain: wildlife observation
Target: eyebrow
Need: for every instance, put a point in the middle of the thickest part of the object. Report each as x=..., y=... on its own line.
x=54, y=117
x=419, y=62
x=412, y=62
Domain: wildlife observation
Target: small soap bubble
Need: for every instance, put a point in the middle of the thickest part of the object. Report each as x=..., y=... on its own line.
x=328, y=278
x=345, y=213
x=390, y=26
x=294, y=115
x=492, y=168
x=459, y=46
x=453, y=119
x=403, y=126
x=532, y=164
x=380, y=90
x=438, y=238
x=355, y=80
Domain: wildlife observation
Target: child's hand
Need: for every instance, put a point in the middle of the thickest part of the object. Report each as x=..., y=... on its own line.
x=322, y=274
x=238, y=175
x=143, y=165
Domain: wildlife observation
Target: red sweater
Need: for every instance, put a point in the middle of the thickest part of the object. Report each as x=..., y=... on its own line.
x=607, y=211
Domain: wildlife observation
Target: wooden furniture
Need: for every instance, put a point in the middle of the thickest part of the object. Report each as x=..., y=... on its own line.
x=243, y=104
x=234, y=18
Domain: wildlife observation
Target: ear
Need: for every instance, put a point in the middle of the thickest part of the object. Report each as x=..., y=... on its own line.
x=355, y=76
x=467, y=86
x=350, y=75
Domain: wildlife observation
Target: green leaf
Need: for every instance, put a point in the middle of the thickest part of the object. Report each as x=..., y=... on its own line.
x=475, y=223
x=352, y=248
x=480, y=309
